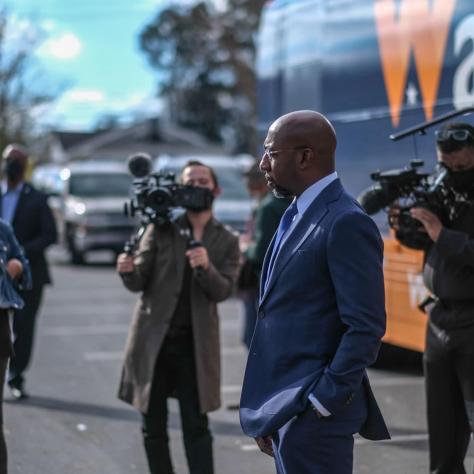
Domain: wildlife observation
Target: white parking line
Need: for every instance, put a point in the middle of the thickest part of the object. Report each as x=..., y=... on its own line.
x=395, y=381
x=396, y=439
x=116, y=355
x=361, y=441
x=249, y=447
x=91, y=330
x=231, y=388
x=234, y=350
x=106, y=329
x=105, y=355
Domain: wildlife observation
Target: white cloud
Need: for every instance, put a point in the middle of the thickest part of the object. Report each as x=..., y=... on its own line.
x=83, y=95
x=79, y=109
x=64, y=47
x=48, y=25
x=220, y=4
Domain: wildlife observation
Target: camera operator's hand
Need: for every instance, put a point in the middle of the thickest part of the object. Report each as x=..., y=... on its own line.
x=125, y=263
x=430, y=221
x=198, y=257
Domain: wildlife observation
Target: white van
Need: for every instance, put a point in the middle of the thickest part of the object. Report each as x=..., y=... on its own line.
x=88, y=200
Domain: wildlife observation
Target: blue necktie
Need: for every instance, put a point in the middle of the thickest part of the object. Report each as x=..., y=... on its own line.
x=285, y=223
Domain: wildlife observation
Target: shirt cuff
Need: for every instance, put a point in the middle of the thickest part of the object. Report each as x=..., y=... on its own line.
x=318, y=405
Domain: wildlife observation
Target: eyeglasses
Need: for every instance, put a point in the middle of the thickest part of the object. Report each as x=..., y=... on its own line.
x=272, y=153
x=460, y=135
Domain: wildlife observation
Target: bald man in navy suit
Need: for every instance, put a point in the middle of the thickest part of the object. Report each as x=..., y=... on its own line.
x=321, y=312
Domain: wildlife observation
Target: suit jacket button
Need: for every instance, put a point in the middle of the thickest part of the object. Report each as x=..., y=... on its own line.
x=261, y=314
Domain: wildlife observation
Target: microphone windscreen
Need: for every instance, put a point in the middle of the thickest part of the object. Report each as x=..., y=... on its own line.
x=140, y=165
x=372, y=200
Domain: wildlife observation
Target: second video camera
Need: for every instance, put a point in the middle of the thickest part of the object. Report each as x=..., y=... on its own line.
x=409, y=188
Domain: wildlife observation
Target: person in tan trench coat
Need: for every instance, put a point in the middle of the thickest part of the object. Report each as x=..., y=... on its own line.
x=163, y=270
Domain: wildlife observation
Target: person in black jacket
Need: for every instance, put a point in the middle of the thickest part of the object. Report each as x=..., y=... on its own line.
x=448, y=274
x=27, y=210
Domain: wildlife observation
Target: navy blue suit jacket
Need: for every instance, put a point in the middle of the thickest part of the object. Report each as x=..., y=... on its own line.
x=320, y=319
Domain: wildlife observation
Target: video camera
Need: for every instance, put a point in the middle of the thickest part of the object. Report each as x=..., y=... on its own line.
x=409, y=188
x=157, y=194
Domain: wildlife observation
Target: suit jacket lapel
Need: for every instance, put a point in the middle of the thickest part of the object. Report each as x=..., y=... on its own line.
x=304, y=228
x=266, y=262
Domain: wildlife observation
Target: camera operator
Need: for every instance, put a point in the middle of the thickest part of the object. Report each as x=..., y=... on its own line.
x=448, y=273
x=173, y=344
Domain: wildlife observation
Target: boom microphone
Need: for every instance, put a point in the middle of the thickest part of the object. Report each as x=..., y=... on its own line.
x=140, y=165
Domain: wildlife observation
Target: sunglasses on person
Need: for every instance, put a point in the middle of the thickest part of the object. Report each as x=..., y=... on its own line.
x=459, y=135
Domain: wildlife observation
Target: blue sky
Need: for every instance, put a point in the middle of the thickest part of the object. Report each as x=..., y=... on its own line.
x=92, y=51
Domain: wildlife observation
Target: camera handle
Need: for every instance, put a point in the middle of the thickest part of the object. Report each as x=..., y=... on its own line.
x=132, y=244
x=192, y=243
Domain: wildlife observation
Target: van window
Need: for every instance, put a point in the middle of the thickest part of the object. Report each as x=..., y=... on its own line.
x=96, y=185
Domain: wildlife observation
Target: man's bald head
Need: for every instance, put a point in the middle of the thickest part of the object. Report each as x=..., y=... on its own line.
x=307, y=128
x=303, y=145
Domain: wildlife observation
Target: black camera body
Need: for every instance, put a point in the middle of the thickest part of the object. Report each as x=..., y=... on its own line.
x=157, y=194
x=410, y=188
x=391, y=185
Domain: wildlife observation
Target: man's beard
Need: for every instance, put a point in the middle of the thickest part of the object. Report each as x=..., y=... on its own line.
x=282, y=193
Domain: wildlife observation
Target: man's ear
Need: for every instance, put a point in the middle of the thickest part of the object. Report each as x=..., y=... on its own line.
x=306, y=158
x=217, y=191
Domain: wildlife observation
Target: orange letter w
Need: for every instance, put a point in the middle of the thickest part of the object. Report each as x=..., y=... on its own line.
x=418, y=26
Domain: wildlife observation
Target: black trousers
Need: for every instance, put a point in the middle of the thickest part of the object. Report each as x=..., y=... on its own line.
x=175, y=374
x=449, y=382
x=24, y=322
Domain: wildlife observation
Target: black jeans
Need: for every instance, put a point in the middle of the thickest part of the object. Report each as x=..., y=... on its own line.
x=175, y=375
x=449, y=379
x=24, y=322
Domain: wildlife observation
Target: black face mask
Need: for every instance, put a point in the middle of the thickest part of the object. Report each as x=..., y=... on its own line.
x=13, y=169
x=461, y=181
x=197, y=199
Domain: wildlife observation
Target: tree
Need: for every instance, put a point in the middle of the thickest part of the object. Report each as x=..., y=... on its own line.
x=18, y=96
x=205, y=61
x=239, y=26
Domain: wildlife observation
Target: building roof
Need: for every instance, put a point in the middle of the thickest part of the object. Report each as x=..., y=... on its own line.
x=152, y=136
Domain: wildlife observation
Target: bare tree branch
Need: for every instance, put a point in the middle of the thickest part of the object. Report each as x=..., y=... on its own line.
x=18, y=92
